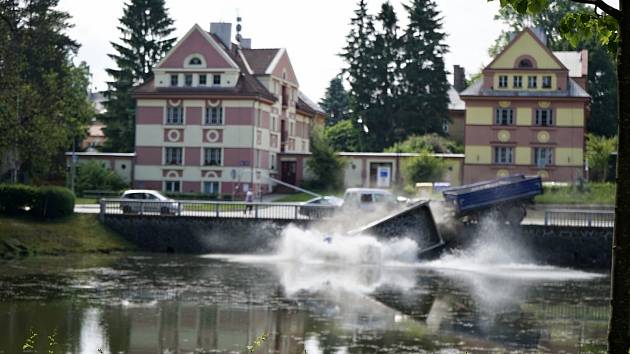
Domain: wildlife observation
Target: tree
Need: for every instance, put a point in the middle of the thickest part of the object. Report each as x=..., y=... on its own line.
x=327, y=168
x=145, y=27
x=335, y=102
x=343, y=136
x=612, y=28
x=433, y=143
x=602, y=78
x=424, y=91
x=423, y=168
x=93, y=176
x=598, y=150
x=43, y=95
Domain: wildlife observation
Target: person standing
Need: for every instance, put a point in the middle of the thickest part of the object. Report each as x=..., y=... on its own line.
x=249, y=199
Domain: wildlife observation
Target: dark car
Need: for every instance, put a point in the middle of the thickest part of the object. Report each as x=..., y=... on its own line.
x=321, y=207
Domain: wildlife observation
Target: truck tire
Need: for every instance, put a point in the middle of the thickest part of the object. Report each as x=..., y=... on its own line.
x=514, y=215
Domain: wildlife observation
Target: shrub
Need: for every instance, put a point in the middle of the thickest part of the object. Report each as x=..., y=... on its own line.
x=423, y=168
x=433, y=143
x=93, y=176
x=14, y=198
x=53, y=202
x=326, y=167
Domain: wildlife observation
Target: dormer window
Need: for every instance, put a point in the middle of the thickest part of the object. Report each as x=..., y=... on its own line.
x=216, y=79
x=188, y=79
x=525, y=64
x=174, y=80
x=194, y=61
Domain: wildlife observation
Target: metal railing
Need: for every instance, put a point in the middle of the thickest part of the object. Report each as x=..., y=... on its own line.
x=214, y=209
x=579, y=218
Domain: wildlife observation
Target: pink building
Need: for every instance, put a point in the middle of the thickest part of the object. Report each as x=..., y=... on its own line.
x=527, y=113
x=221, y=118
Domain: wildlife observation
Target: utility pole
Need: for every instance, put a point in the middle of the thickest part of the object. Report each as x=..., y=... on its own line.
x=73, y=167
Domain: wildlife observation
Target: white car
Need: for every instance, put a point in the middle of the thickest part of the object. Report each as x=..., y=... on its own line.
x=140, y=201
x=368, y=199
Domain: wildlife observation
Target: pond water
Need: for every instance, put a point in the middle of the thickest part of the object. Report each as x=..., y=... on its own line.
x=333, y=296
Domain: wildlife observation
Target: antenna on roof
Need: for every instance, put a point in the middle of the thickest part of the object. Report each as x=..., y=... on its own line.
x=238, y=28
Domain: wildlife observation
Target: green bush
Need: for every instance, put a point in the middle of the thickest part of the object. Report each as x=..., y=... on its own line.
x=93, y=176
x=14, y=198
x=423, y=168
x=53, y=202
x=47, y=201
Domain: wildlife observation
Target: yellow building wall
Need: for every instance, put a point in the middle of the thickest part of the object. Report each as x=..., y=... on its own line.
x=570, y=117
x=525, y=45
x=523, y=155
x=524, y=75
x=478, y=154
x=479, y=115
x=569, y=156
x=523, y=116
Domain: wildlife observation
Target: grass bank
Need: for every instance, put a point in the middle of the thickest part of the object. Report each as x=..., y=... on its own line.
x=78, y=233
x=592, y=193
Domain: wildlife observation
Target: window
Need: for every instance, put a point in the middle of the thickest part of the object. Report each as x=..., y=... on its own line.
x=272, y=161
x=174, y=115
x=503, y=155
x=172, y=186
x=531, y=81
x=212, y=157
x=258, y=137
x=546, y=82
x=504, y=116
x=194, y=61
x=503, y=80
x=273, y=123
x=525, y=63
x=173, y=156
x=544, y=117
x=543, y=157
x=188, y=79
x=518, y=82
x=445, y=126
x=216, y=79
x=202, y=79
x=174, y=79
x=211, y=187
x=291, y=128
x=214, y=115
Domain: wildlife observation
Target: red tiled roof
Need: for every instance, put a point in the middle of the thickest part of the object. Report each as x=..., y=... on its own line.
x=259, y=59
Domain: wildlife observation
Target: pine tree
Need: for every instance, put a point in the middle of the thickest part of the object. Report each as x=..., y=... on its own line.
x=424, y=95
x=145, y=27
x=335, y=102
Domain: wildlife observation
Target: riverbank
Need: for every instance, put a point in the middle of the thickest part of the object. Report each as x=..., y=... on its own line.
x=79, y=233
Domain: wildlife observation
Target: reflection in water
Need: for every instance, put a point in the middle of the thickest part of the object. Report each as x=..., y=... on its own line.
x=183, y=304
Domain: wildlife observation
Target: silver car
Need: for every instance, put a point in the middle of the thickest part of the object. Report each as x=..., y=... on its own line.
x=139, y=201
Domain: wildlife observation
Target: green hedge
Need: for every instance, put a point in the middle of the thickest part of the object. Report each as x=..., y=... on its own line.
x=46, y=201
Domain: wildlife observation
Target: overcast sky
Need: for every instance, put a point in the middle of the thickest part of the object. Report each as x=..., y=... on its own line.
x=312, y=31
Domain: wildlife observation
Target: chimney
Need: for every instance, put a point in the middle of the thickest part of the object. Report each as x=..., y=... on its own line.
x=459, y=78
x=223, y=30
x=246, y=43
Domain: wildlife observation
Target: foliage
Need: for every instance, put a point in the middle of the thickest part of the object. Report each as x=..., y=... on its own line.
x=344, y=136
x=43, y=95
x=423, y=168
x=46, y=201
x=598, y=150
x=93, y=176
x=335, y=102
x=327, y=168
x=393, y=76
x=432, y=143
x=145, y=27
x=594, y=193
x=602, y=76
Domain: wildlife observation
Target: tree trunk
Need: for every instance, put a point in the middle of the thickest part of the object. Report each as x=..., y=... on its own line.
x=619, y=328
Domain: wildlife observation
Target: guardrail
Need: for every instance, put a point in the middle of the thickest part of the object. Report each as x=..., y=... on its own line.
x=214, y=209
x=580, y=218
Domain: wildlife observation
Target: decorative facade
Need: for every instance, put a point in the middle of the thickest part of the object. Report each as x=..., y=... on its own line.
x=221, y=118
x=527, y=113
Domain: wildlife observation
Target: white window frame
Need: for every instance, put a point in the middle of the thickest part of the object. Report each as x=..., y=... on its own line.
x=544, y=78
x=499, y=116
x=214, y=76
x=214, y=183
x=517, y=81
x=205, y=76
x=503, y=81
x=543, y=156
x=211, y=153
x=503, y=155
x=209, y=120
x=179, y=185
x=176, y=77
x=179, y=160
x=548, y=121
x=169, y=119
x=532, y=82
x=186, y=77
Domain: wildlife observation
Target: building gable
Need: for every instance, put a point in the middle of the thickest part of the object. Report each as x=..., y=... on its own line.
x=197, y=43
x=281, y=67
x=526, y=45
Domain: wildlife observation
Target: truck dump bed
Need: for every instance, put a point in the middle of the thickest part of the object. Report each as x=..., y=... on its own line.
x=487, y=194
